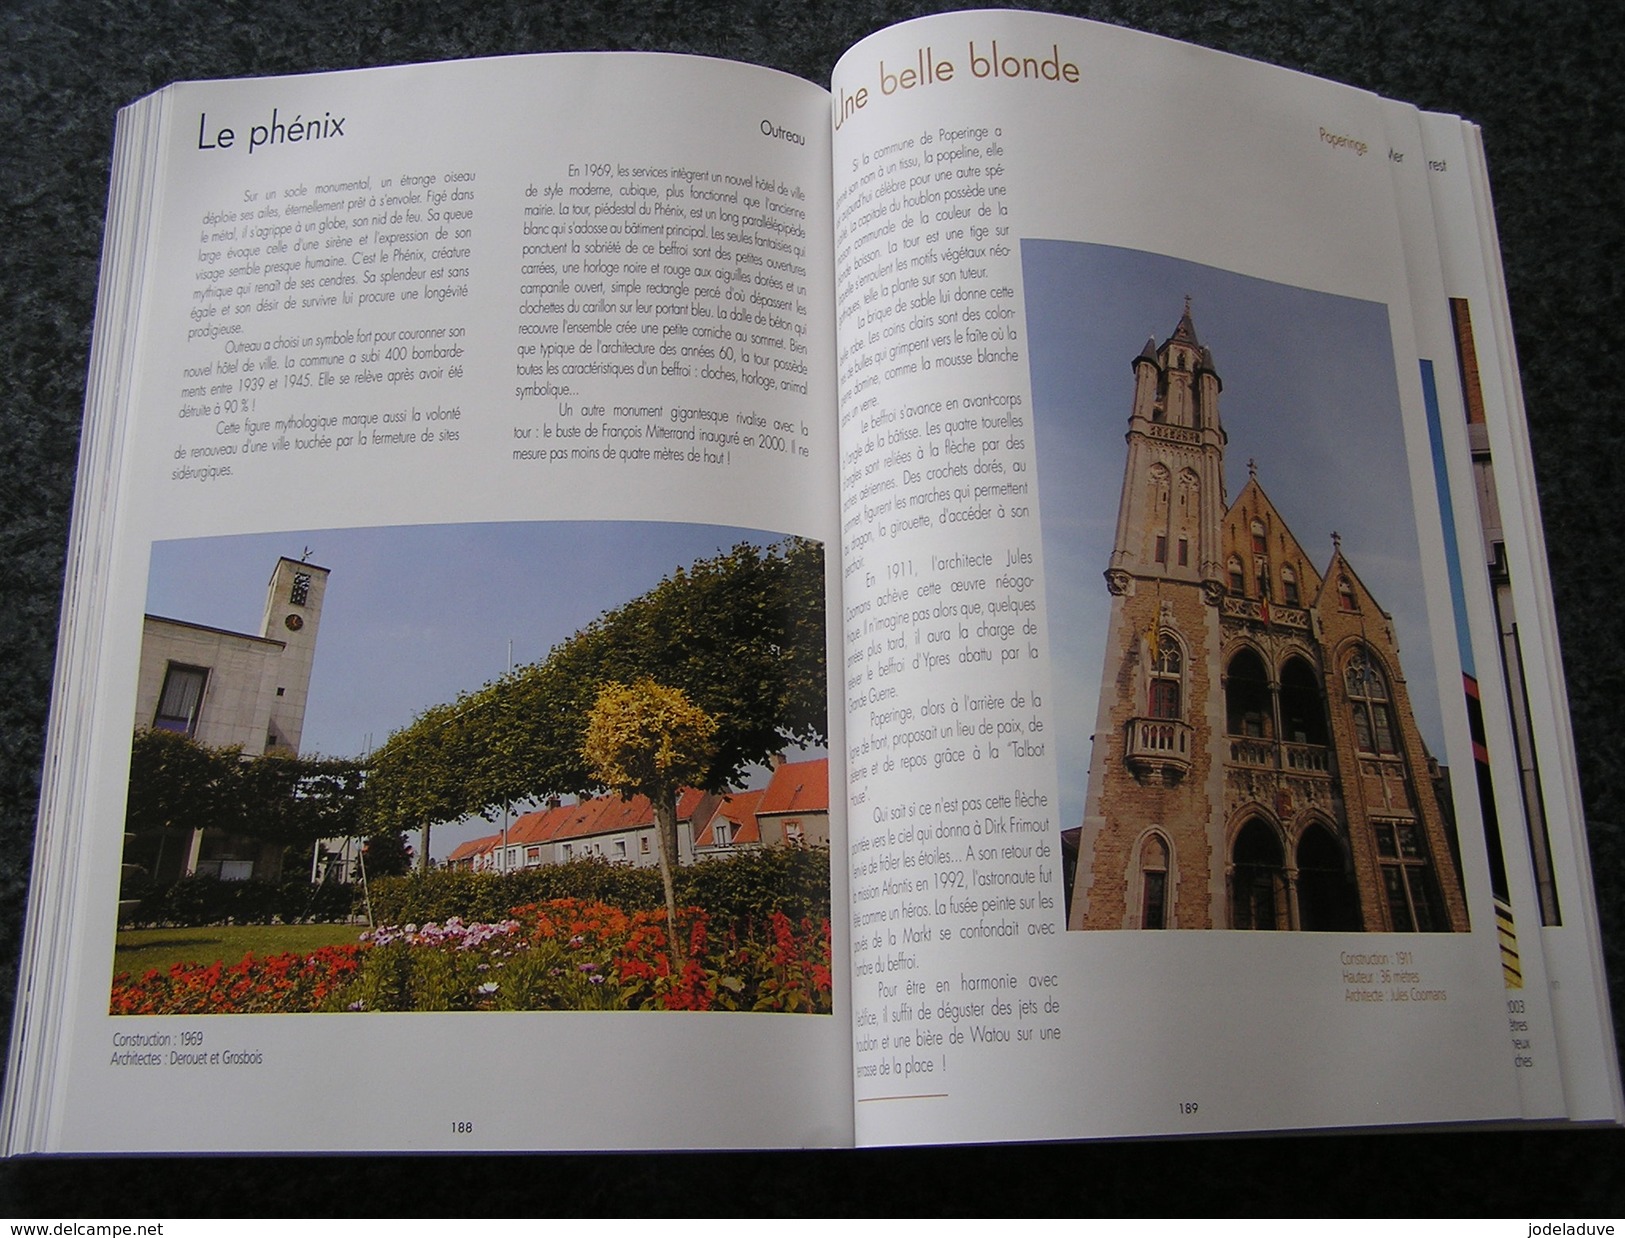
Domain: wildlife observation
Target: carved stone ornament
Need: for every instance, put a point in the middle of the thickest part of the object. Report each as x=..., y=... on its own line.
x=1117, y=581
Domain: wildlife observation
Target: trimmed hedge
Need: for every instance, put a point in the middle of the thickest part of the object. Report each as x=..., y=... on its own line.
x=483, y=898
x=744, y=890
x=748, y=888
x=198, y=901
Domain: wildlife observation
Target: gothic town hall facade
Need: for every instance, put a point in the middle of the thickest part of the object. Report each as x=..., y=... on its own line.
x=1255, y=762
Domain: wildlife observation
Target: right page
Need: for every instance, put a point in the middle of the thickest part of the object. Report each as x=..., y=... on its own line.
x=1164, y=816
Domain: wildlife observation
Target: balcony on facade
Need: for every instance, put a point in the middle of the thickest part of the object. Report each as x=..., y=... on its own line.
x=1158, y=750
x=1266, y=754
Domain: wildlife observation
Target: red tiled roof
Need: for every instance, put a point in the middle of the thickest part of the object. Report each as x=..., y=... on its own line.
x=473, y=847
x=798, y=786
x=801, y=786
x=739, y=809
x=604, y=814
x=525, y=828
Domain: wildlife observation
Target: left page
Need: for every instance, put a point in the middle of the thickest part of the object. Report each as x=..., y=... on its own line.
x=447, y=418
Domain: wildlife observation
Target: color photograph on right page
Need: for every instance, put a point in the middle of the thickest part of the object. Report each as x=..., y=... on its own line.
x=1249, y=728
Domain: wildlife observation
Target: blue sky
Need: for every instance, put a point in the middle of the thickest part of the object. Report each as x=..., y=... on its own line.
x=416, y=614
x=1310, y=394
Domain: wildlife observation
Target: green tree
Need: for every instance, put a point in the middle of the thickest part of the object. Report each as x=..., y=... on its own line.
x=651, y=740
x=175, y=786
x=387, y=855
x=420, y=776
x=290, y=800
x=178, y=785
x=741, y=634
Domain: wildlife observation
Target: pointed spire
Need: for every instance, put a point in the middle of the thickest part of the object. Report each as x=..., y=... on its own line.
x=1185, y=332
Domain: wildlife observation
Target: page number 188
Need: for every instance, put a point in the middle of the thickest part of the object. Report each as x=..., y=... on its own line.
x=462, y=1128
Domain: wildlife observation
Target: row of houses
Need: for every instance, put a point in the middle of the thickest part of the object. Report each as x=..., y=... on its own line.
x=792, y=809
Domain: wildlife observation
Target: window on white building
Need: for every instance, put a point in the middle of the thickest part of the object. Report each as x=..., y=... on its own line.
x=181, y=699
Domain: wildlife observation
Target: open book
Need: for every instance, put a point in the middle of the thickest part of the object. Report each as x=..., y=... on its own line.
x=1000, y=601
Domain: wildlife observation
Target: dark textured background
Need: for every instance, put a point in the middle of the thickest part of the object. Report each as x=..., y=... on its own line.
x=1539, y=75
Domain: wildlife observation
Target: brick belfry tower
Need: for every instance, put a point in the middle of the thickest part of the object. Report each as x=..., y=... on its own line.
x=1256, y=763
x=1152, y=780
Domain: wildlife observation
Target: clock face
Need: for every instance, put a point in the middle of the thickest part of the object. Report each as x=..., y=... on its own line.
x=293, y=623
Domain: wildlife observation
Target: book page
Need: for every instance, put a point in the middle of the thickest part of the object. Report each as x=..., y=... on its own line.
x=1200, y=678
x=448, y=399
x=1499, y=805
x=1532, y=697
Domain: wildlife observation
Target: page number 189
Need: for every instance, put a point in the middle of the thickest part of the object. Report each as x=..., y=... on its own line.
x=1187, y=1107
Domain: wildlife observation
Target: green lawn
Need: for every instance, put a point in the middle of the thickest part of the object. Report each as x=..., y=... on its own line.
x=141, y=950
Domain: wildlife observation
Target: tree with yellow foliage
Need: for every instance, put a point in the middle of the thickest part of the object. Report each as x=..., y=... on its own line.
x=644, y=738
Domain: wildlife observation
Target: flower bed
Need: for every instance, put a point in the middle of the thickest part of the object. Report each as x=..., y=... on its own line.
x=564, y=954
x=274, y=984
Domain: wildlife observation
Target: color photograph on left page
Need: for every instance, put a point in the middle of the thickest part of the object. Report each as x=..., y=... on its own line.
x=530, y=766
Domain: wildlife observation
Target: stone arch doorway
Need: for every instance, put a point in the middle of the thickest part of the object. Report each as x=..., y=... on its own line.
x=1257, y=878
x=1247, y=697
x=1303, y=713
x=1327, y=901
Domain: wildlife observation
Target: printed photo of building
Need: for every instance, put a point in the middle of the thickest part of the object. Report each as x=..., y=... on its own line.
x=1256, y=763
x=243, y=690
x=1249, y=704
